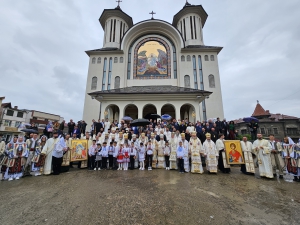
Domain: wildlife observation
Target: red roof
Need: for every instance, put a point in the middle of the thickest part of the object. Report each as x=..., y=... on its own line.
x=279, y=116
x=6, y=105
x=260, y=111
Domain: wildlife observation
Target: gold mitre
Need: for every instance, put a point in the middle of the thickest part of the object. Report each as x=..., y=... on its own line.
x=208, y=135
x=126, y=135
x=182, y=134
x=193, y=132
x=152, y=134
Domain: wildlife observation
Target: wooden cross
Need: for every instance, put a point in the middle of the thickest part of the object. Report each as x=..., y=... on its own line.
x=152, y=14
x=118, y=2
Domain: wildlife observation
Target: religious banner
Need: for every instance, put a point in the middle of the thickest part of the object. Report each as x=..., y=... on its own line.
x=79, y=150
x=234, y=153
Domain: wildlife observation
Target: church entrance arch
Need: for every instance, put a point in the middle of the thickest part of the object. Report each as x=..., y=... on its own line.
x=112, y=112
x=187, y=111
x=168, y=109
x=132, y=111
x=149, y=109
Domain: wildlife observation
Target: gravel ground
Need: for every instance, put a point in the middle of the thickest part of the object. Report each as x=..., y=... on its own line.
x=149, y=197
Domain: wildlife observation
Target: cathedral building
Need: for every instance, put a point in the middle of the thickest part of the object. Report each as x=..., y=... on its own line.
x=153, y=67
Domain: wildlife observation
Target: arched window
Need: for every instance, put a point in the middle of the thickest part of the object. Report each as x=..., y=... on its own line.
x=206, y=57
x=93, y=60
x=121, y=59
x=182, y=58
x=117, y=82
x=109, y=73
x=99, y=60
x=212, y=58
x=116, y=60
x=188, y=58
x=94, y=83
x=104, y=74
x=187, y=81
x=211, y=81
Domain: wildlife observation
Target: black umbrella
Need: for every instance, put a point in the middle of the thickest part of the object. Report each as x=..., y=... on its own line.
x=139, y=122
x=30, y=131
x=152, y=116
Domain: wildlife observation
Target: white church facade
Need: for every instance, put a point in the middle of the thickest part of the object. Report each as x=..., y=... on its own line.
x=153, y=67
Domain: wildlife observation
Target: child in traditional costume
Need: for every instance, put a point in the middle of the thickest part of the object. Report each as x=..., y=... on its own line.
x=149, y=155
x=120, y=157
x=141, y=151
x=98, y=157
x=126, y=153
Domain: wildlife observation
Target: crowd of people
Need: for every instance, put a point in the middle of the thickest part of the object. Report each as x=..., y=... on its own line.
x=171, y=145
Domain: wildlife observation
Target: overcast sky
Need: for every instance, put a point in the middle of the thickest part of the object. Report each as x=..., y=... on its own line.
x=43, y=65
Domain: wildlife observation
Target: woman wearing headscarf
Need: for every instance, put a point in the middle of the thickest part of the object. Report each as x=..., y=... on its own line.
x=38, y=158
x=17, y=154
x=290, y=156
x=231, y=129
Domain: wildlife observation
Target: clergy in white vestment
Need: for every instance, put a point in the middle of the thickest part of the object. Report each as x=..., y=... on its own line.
x=247, y=168
x=160, y=152
x=106, y=126
x=262, y=148
x=187, y=154
x=222, y=161
x=276, y=156
x=211, y=154
x=173, y=146
x=195, y=147
x=47, y=151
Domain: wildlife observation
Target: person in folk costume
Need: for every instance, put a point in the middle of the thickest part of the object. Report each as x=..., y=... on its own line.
x=185, y=144
x=180, y=151
x=47, y=152
x=120, y=157
x=248, y=168
x=173, y=146
x=167, y=152
x=141, y=153
x=33, y=147
x=160, y=152
x=126, y=153
x=290, y=157
x=3, y=157
x=133, y=153
x=150, y=154
x=136, y=143
x=211, y=154
x=65, y=166
x=115, y=155
x=104, y=152
x=98, y=159
x=17, y=155
x=195, y=147
x=92, y=155
x=154, y=147
x=38, y=159
x=262, y=148
x=276, y=156
x=8, y=155
x=222, y=163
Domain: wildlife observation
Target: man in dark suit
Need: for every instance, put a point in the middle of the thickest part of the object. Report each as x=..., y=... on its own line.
x=218, y=126
x=182, y=127
x=98, y=126
x=71, y=126
x=224, y=128
x=77, y=132
x=214, y=135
